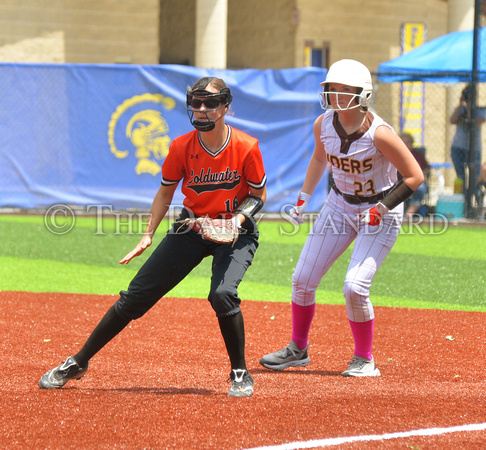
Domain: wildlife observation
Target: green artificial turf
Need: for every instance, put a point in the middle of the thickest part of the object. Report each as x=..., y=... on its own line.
x=427, y=268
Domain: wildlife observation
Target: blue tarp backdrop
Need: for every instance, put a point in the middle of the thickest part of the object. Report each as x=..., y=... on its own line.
x=98, y=134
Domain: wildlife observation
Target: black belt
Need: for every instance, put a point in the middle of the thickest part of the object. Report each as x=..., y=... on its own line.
x=357, y=200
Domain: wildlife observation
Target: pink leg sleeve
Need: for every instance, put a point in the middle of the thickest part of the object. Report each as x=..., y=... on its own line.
x=301, y=322
x=363, y=337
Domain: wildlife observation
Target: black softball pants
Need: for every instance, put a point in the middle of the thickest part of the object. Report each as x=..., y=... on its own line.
x=180, y=251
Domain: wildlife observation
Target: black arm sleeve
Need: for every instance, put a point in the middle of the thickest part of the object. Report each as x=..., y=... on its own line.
x=398, y=194
x=249, y=206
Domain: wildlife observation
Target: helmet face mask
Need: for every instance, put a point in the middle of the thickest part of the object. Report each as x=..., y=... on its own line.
x=352, y=101
x=212, y=101
x=350, y=73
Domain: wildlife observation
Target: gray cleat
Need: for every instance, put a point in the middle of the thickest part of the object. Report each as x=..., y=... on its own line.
x=56, y=378
x=241, y=383
x=361, y=367
x=290, y=356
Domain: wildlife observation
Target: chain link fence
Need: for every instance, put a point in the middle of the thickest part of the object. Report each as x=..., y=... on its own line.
x=439, y=117
x=428, y=122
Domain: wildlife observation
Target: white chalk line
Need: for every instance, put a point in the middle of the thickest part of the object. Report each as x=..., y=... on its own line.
x=376, y=437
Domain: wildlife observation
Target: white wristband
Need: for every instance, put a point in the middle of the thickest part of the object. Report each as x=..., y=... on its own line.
x=236, y=221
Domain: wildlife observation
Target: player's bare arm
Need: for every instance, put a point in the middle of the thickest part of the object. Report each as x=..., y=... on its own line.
x=318, y=162
x=393, y=148
x=315, y=170
x=159, y=209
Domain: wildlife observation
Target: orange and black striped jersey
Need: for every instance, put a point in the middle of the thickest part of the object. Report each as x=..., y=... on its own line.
x=214, y=184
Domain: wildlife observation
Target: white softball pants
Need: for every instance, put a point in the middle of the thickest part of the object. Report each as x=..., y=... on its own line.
x=336, y=227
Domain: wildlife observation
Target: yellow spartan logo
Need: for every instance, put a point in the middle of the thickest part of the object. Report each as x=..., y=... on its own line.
x=146, y=129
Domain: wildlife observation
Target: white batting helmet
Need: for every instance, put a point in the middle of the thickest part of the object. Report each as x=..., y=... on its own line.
x=351, y=73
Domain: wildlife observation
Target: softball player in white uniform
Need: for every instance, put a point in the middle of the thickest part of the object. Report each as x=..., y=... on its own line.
x=365, y=206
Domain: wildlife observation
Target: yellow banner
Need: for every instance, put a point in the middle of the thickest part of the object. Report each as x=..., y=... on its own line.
x=412, y=114
x=413, y=35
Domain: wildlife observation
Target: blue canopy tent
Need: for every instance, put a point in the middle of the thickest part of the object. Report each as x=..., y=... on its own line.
x=446, y=59
x=453, y=58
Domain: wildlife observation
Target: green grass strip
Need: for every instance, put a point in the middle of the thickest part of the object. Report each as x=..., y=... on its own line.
x=427, y=268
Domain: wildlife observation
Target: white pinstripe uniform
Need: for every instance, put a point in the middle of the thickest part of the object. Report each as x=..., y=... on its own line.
x=358, y=168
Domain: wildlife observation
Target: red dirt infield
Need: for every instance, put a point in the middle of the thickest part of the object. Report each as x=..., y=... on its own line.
x=162, y=383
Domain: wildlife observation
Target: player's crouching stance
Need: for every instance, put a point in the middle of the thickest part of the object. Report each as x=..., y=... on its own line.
x=364, y=153
x=226, y=231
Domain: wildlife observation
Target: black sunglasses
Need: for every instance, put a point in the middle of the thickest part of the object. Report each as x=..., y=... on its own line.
x=210, y=103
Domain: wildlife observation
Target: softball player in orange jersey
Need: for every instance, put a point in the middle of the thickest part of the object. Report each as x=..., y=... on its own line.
x=364, y=206
x=222, y=175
